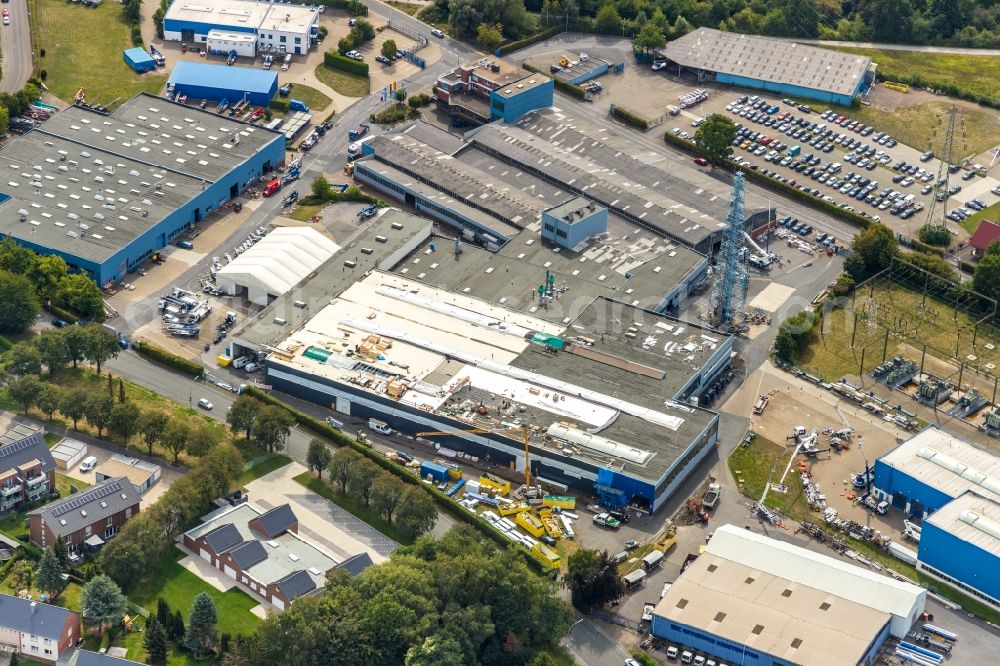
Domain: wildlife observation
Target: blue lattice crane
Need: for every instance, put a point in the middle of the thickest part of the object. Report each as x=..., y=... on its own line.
x=732, y=276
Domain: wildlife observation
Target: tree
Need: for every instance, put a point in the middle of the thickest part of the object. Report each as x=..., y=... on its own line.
x=82, y=294
x=24, y=391
x=875, y=247
x=243, y=412
x=151, y=425
x=389, y=49
x=715, y=137
x=417, y=513
x=98, y=412
x=608, y=20
x=175, y=437
x=21, y=576
x=103, y=602
x=49, y=398
x=794, y=334
x=101, y=345
x=178, y=626
x=52, y=348
x=24, y=360
x=437, y=650
x=272, y=427
x=76, y=340
x=365, y=30
x=163, y=615
x=650, y=38
x=155, y=641
x=933, y=264
x=318, y=457
x=200, y=637
x=62, y=552
x=201, y=440
x=489, y=36
x=4, y=120
x=935, y=234
x=14, y=659
x=340, y=466
x=464, y=17
x=986, y=278
x=74, y=405
x=387, y=492
x=19, y=305
x=891, y=20
x=124, y=421
x=49, y=577
x=593, y=579
x=322, y=190
x=363, y=474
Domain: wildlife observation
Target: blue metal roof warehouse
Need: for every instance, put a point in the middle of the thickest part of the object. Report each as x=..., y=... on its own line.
x=104, y=191
x=217, y=83
x=782, y=67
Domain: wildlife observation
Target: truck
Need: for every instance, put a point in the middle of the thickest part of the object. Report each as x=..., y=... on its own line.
x=290, y=175
x=873, y=504
x=358, y=132
x=272, y=187
x=711, y=497
x=606, y=520
x=761, y=404
x=368, y=211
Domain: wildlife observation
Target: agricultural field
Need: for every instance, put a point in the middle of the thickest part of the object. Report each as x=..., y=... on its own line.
x=94, y=63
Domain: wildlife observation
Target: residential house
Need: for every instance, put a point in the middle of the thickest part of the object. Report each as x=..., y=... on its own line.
x=88, y=658
x=986, y=234
x=88, y=518
x=263, y=552
x=40, y=631
x=27, y=469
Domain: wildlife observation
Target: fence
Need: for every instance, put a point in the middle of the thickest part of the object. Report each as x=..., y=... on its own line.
x=614, y=618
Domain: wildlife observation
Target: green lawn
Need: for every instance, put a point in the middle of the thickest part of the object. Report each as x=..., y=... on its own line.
x=314, y=99
x=64, y=482
x=752, y=465
x=410, y=8
x=84, y=50
x=349, y=85
x=971, y=223
x=265, y=466
x=305, y=213
x=12, y=524
x=51, y=439
x=354, y=506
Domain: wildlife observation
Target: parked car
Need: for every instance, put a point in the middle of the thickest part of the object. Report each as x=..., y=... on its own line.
x=701, y=161
x=437, y=33
x=205, y=404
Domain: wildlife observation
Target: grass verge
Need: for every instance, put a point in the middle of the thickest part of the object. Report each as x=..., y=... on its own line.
x=751, y=467
x=265, y=466
x=92, y=61
x=354, y=506
x=305, y=213
x=314, y=99
x=410, y=8
x=971, y=223
x=348, y=85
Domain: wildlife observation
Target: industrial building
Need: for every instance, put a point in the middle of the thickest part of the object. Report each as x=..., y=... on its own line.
x=751, y=599
x=280, y=27
x=276, y=264
x=219, y=83
x=105, y=191
x=139, y=60
x=954, y=488
x=491, y=89
x=780, y=67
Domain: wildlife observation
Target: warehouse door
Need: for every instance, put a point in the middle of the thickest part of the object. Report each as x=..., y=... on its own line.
x=234, y=191
x=187, y=35
x=197, y=214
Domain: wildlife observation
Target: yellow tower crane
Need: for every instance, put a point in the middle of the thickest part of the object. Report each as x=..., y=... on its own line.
x=523, y=430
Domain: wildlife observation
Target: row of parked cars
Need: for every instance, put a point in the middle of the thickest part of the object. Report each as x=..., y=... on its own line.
x=385, y=60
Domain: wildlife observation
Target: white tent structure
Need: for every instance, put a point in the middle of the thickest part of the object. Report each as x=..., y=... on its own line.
x=275, y=264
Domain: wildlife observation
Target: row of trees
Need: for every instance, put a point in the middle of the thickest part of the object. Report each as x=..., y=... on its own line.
x=56, y=348
x=362, y=32
x=405, y=504
x=200, y=637
x=266, y=425
x=459, y=600
x=28, y=279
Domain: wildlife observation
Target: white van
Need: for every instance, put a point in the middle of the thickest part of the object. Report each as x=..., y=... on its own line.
x=240, y=362
x=334, y=423
x=253, y=367
x=686, y=657
x=379, y=426
x=88, y=464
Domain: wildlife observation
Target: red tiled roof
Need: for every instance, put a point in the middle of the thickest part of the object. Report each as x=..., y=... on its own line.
x=986, y=234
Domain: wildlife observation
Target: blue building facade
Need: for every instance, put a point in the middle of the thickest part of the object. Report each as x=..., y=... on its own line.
x=510, y=107
x=960, y=563
x=790, y=90
x=571, y=223
x=730, y=652
x=139, y=60
x=218, y=83
x=906, y=493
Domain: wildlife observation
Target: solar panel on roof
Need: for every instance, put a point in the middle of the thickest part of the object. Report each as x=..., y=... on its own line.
x=86, y=497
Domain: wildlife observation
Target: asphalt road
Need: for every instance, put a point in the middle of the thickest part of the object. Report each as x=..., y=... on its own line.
x=15, y=47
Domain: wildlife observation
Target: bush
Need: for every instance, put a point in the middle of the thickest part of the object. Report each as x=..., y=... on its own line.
x=60, y=313
x=334, y=60
x=510, y=47
x=282, y=105
x=629, y=117
x=160, y=355
x=5, y=344
x=934, y=235
x=398, y=112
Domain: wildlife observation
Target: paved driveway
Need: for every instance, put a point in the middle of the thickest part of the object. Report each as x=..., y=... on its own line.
x=320, y=520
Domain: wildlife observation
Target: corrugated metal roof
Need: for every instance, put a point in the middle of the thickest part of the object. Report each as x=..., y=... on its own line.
x=769, y=60
x=973, y=518
x=220, y=76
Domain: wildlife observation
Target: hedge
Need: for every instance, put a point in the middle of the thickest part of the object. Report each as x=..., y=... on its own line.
x=510, y=47
x=574, y=90
x=629, y=117
x=161, y=355
x=282, y=105
x=60, y=313
x=450, y=506
x=343, y=63
x=784, y=188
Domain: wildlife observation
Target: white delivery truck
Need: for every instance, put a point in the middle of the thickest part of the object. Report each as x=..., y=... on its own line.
x=379, y=426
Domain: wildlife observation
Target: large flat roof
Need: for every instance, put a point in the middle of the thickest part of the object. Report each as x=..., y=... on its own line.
x=438, y=349
x=973, y=518
x=243, y=14
x=246, y=79
x=769, y=60
x=102, y=181
x=787, y=620
x=946, y=463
